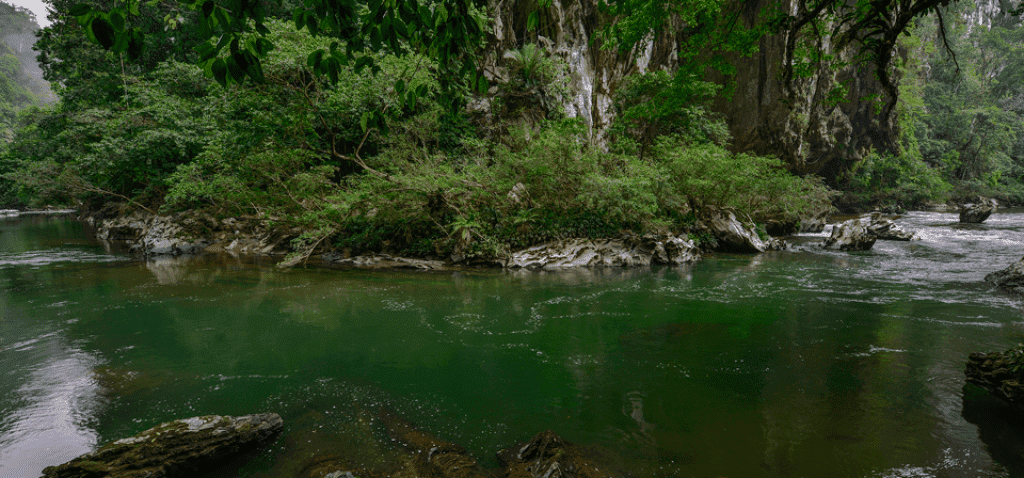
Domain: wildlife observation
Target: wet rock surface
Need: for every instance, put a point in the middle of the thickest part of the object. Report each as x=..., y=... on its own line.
x=548, y=455
x=884, y=229
x=623, y=252
x=383, y=261
x=182, y=448
x=852, y=235
x=978, y=212
x=1000, y=374
x=731, y=234
x=1011, y=278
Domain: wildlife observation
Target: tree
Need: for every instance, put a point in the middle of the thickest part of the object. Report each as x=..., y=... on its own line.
x=234, y=36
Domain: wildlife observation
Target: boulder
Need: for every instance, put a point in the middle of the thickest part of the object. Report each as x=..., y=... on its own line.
x=885, y=229
x=623, y=252
x=547, y=455
x=1000, y=374
x=183, y=448
x=1011, y=278
x=852, y=235
x=732, y=235
x=978, y=212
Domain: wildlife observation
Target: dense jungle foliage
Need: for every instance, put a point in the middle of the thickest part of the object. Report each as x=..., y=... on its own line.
x=362, y=137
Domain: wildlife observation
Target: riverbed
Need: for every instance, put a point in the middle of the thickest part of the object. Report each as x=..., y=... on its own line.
x=805, y=363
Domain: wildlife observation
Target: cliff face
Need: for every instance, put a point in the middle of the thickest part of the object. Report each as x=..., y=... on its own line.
x=795, y=120
x=568, y=29
x=807, y=121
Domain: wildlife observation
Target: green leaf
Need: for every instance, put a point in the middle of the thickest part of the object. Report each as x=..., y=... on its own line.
x=133, y=7
x=314, y=59
x=80, y=10
x=364, y=119
x=117, y=21
x=362, y=62
x=121, y=42
x=207, y=8
x=103, y=32
x=532, y=21
x=234, y=69
x=220, y=71
x=400, y=86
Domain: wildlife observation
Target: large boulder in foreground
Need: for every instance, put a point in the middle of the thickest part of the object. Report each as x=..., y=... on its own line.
x=1000, y=373
x=182, y=448
x=852, y=235
x=977, y=213
x=1011, y=278
x=623, y=252
x=548, y=455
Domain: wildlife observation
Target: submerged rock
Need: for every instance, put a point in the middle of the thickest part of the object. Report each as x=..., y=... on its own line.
x=1011, y=278
x=977, y=213
x=547, y=455
x=624, y=252
x=434, y=457
x=1000, y=373
x=852, y=235
x=183, y=448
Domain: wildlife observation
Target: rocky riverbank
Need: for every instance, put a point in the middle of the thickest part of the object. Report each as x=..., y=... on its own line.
x=196, y=233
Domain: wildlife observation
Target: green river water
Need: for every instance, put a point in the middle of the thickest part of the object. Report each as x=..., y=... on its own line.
x=795, y=364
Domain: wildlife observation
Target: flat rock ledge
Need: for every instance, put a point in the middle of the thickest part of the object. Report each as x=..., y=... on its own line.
x=383, y=261
x=1000, y=373
x=629, y=251
x=1010, y=279
x=182, y=448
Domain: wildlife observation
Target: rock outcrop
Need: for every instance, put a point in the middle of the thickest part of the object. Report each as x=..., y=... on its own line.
x=852, y=235
x=624, y=252
x=1000, y=373
x=732, y=235
x=977, y=213
x=548, y=455
x=182, y=448
x=1011, y=278
x=884, y=229
x=184, y=234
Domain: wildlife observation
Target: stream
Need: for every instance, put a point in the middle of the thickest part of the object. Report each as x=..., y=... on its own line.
x=806, y=363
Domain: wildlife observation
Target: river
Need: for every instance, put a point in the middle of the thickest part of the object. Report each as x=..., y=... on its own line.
x=807, y=363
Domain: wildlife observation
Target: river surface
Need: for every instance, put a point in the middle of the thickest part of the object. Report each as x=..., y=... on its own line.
x=795, y=364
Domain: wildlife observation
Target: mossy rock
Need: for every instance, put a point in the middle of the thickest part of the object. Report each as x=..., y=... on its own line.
x=178, y=448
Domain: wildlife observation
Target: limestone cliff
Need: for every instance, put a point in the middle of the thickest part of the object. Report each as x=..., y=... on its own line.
x=769, y=112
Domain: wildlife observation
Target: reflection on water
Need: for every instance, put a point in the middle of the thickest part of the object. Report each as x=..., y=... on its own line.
x=807, y=363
